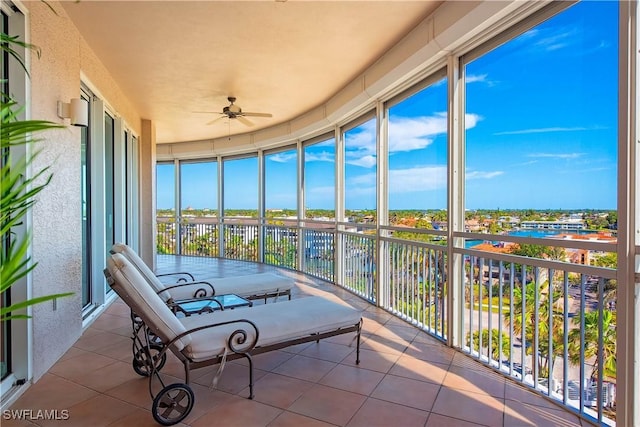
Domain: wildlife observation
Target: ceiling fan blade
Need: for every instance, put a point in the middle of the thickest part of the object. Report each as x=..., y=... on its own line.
x=215, y=120
x=257, y=114
x=244, y=121
x=207, y=112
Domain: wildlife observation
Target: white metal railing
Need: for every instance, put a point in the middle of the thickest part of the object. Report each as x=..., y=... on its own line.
x=319, y=251
x=416, y=285
x=359, y=264
x=281, y=245
x=545, y=322
x=548, y=324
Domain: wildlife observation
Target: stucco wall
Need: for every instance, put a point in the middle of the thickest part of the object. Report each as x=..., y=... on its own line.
x=56, y=220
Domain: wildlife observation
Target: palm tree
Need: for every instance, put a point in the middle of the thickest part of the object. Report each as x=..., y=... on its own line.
x=590, y=345
x=499, y=349
x=17, y=188
x=546, y=317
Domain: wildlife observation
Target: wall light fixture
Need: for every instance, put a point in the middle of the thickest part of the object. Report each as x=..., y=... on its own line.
x=77, y=111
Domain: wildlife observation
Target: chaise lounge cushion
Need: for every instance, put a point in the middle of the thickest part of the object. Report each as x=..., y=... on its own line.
x=252, y=285
x=132, y=256
x=141, y=298
x=276, y=323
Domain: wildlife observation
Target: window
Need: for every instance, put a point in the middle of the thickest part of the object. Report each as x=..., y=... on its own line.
x=320, y=179
x=281, y=188
x=132, y=207
x=166, y=208
x=541, y=124
x=109, y=184
x=241, y=187
x=240, y=239
x=85, y=190
x=13, y=80
x=360, y=171
x=165, y=189
x=5, y=297
x=199, y=189
x=199, y=208
x=418, y=158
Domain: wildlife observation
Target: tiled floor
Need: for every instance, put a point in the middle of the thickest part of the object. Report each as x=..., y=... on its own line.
x=405, y=377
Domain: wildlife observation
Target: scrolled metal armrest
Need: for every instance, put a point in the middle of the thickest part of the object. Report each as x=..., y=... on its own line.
x=178, y=273
x=236, y=338
x=199, y=293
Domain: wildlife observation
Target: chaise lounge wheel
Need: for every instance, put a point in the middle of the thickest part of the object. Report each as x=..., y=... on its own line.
x=142, y=365
x=172, y=404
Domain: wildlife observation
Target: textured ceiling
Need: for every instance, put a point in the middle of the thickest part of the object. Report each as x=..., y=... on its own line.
x=173, y=58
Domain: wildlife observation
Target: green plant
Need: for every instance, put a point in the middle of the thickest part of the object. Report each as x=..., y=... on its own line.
x=17, y=189
x=591, y=329
x=500, y=343
x=538, y=318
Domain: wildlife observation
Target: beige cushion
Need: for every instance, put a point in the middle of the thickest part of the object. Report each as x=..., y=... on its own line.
x=137, y=262
x=144, y=302
x=252, y=284
x=276, y=323
x=247, y=285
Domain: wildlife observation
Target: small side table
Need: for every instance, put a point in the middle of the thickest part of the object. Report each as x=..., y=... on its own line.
x=185, y=308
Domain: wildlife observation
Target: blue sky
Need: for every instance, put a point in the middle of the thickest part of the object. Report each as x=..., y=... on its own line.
x=541, y=132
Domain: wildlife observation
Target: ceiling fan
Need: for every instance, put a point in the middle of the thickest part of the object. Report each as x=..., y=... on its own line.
x=233, y=111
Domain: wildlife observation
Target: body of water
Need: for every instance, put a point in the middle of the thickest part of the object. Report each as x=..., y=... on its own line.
x=533, y=233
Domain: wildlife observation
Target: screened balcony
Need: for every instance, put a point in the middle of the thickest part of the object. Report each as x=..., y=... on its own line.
x=542, y=323
x=407, y=376
x=472, y=191
x=400, y=206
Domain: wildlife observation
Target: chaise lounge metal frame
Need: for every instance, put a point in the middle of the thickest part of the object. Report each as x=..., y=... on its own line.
x=214, y=338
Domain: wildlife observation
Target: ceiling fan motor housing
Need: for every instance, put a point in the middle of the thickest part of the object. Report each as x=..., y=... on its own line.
x=231, y=111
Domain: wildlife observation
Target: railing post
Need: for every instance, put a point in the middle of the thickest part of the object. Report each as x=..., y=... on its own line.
x=339, y=212
x=261, y=206
x=382, y=171
x=178, y=207
x=455, y=209
x=628, y=303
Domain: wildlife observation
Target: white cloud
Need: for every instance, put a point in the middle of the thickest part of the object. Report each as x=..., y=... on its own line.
x=420, y=178
x=475, y=78
x=362, y=140
x=546, y=130
x=282, y=157
x=323, y=156
x=530, y=162
x=471, y=120
x=557, y=40
x=415, y=133
x=331, y=142
x=405, y=134
x=366, y=161
x=557, y=155
x=482, y=174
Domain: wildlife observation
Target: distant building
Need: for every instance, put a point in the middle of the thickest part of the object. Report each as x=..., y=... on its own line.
x=512, y=221
x=472, y=225
x=575, y=224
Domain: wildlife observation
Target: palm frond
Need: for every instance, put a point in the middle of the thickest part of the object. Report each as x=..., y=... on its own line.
x=6, y=312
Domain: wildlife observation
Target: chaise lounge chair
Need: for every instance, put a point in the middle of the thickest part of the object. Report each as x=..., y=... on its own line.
x=251, y=287
x=213, y=338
